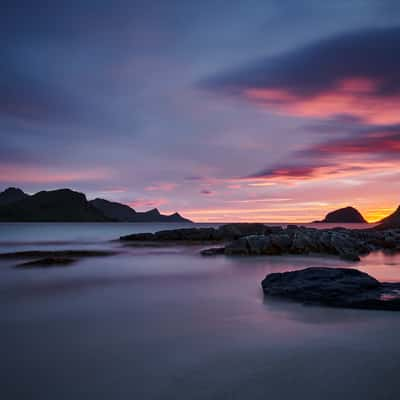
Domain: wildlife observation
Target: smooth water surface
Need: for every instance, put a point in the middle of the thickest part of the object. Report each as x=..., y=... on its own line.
x=166, y=323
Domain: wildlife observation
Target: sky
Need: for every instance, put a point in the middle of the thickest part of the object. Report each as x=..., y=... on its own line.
x=256, y=110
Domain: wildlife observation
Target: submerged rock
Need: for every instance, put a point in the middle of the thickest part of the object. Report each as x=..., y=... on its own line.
x=47, y=262
x=213, y=251
x=52, y=258
x=56, y=254
x=338, y=287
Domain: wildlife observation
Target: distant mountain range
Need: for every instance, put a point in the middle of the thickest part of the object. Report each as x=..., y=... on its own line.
x=65, y=205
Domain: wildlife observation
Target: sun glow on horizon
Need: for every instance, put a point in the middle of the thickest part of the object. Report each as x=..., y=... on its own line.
x=312, y=212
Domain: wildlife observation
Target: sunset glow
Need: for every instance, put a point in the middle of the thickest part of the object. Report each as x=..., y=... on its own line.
x=220, y=127
x=356, y=98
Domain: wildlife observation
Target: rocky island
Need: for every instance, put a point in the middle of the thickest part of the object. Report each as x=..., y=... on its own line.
x=344, y=215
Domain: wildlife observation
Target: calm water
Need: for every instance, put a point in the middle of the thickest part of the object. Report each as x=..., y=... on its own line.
x=165, y=323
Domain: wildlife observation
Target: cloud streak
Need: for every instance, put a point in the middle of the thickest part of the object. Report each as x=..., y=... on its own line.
x=15, y=174
x=355, y=74
x=352, y=81
x=369, y=150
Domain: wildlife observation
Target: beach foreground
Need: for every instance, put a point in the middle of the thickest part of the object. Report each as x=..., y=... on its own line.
x=167, y=323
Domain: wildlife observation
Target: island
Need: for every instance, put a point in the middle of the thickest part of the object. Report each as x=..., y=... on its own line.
x=344, y=215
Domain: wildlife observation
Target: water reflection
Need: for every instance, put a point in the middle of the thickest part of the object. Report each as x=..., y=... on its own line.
x=167, y=323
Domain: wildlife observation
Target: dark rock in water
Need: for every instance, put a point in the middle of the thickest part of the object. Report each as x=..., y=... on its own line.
x=213, y=251
x=140, y=237
x=189, y=234
x=11, y=195
x=281, y=241
x=338, y=287
x=292, y=227
x=39, y=254
x=260, y=239
x=223, y=233
x=47, y=262
x=348, y=244
x=344, y=215
x=53, y=258
x=239, y=247
x=235, y=231
x=390, y=222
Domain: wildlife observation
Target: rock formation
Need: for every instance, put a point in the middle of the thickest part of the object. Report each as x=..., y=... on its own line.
x=11, y=195
x=344, y=215
x=259, y=239
x=390, y=222
x=337, y=287
x=65, y=205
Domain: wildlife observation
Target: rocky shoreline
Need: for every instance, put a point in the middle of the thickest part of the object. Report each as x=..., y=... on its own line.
x=259, y=239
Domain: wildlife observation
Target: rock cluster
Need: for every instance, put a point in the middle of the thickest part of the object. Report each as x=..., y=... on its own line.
x=346, y=243
x=337, y=287
x=220, y=234
x=260, y=239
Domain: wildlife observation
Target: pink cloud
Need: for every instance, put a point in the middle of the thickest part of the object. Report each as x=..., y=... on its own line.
x=356, y=97
x=162, y=187
x=30, y=174
x=147, y=203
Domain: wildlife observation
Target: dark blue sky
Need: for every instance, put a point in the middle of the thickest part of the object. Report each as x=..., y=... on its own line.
x=221, y=109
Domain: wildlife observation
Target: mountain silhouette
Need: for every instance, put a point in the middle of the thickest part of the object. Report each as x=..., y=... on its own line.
x=344, y=215
x=66, y=205
x=11, y=195
x=62, y=205
x=123, y=213
x=392, y=221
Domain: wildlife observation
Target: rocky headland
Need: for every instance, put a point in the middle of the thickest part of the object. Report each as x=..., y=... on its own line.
x=346, y=215
x=392, y=221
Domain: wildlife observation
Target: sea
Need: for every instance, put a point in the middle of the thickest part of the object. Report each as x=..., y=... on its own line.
x=163, y=322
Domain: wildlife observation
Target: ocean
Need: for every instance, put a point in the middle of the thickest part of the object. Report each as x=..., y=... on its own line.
x=166, y=323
